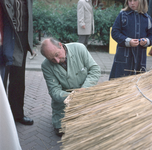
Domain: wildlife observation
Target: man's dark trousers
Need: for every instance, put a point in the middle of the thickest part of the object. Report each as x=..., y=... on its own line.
x=16, y=86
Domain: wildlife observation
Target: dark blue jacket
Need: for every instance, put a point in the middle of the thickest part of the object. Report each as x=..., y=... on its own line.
x=134, y=25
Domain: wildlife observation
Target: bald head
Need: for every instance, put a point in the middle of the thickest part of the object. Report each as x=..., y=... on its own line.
x=53, y=50
x=48, y=42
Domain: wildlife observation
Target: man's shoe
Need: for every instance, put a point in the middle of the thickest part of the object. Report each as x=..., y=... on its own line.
x=58, y=133
x=25, y=120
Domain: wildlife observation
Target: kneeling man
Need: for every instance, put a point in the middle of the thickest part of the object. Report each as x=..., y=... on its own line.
x=68, y=66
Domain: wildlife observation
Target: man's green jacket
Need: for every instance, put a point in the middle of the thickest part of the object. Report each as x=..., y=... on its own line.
x=82, y=72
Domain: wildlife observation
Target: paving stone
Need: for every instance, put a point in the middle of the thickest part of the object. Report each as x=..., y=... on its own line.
x=27, y=136
x=29, y=146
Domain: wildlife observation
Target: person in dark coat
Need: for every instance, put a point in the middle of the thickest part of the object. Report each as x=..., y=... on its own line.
x=132, y=31
x=18, y=39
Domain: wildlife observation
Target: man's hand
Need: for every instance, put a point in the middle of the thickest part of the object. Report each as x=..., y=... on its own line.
x=68, y=99
x=143, y=41
x=134, y=42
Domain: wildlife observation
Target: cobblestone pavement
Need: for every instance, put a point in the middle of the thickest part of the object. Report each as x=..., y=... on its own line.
x=39, y=136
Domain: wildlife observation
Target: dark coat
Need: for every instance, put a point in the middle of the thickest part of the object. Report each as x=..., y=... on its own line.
x=130, y=24
x=13, y=50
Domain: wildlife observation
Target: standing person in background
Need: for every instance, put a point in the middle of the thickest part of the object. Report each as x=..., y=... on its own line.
x=85, y=20
x=132, y=31
x=18, y=38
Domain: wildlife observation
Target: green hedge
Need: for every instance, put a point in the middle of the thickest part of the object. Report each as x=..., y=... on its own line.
x=60, y=21
x=104, y=19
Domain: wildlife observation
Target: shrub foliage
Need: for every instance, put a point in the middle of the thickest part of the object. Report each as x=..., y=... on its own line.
x=60, y=21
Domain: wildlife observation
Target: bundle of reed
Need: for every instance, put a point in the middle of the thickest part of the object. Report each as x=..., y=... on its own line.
x=114, y=115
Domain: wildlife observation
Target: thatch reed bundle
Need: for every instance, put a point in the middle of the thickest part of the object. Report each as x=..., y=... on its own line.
x=114, y=115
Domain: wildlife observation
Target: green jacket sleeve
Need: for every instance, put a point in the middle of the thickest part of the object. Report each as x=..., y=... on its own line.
x=93, y=69
x=54, y=87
